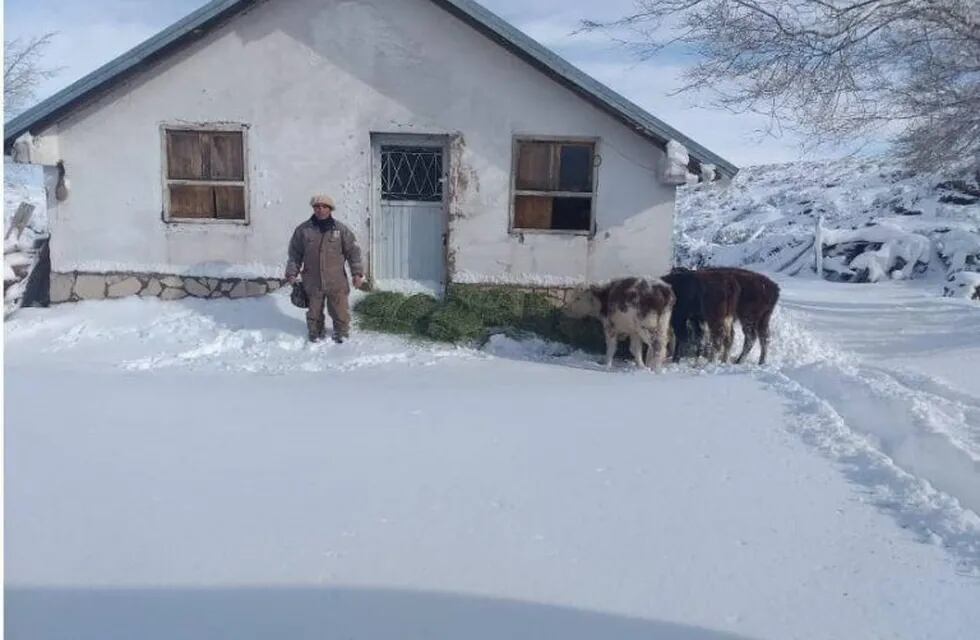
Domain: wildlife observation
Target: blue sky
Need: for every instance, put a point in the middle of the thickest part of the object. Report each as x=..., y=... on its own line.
x=92, y=32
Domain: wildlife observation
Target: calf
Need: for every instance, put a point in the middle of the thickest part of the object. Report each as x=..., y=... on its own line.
x=634, y=308
x=756, y=301
x=705, y=310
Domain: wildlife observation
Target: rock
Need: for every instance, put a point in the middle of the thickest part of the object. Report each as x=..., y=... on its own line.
x=128, y=287
x=226, y=286
x=253, y=288
x=216, y=294
x=239, y=290
x=90, y=287
x=273, y=284
x=212, y=283
x=152, y=288
x=114, y=278
x=555, y=296
x=172, y=293
x=61, y=285
x=196, y=288
x=172, y=281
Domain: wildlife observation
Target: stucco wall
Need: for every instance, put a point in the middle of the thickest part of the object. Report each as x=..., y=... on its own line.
x=312, y=79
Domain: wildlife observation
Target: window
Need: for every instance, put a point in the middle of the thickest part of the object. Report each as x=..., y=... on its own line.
x=205, y=174
x=554, y=185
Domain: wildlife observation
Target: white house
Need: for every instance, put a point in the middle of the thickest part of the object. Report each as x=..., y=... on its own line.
x=457, y=148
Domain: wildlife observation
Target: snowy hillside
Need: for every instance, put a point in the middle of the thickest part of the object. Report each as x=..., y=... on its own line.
x=929, y=225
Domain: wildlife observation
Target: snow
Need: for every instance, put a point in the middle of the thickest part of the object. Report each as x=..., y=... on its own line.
x=677, y=153
x=410, y=286
x=896, y=245
x=518, y=279
x=965, y=284
x=202, y=269
x=675, y=171
x=957, y=247
x=766, y=219
x=178, y=468
x=17, y=259
x=22, y=184
x=708, y=172
x=22, y=148
x=25, y=183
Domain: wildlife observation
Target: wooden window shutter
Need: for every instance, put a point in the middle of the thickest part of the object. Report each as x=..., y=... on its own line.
x=533, y=212
x=191, y=201
x=536, y=166
x=229, y=202
x=226, y=155
x=206, y=174
x=185, y=156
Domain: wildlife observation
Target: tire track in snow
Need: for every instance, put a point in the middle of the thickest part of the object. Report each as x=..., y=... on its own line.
x=908, y=426
x=916, y=451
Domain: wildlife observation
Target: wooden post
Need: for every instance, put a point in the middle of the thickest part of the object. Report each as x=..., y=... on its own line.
x=818, y=247
x=20, y=219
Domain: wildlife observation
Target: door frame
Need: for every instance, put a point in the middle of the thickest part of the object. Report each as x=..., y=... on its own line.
x=440, y=141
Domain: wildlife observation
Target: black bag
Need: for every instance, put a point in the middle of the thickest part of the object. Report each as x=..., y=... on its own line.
x=298, y=296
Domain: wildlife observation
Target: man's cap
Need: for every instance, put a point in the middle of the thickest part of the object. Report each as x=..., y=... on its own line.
x=322, y=199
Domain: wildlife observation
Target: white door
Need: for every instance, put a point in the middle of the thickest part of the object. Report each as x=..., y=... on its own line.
x=409, y=226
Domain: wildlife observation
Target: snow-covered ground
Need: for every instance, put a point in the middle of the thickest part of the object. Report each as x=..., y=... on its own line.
x=193, y=469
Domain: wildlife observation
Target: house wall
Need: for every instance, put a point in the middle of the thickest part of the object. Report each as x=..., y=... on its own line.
x=313, y=79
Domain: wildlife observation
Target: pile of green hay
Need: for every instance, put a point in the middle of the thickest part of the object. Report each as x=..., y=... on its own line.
x=471, y=314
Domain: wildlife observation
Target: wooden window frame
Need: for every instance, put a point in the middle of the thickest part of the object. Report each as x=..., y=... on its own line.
x=514, y=191
x=166, y=181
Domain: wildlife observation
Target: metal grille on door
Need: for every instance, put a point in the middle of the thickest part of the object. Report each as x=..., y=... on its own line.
x=412, y=223
x=411, y=173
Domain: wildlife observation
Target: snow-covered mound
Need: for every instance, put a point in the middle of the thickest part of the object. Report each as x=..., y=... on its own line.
x=878, y=220
x=25, y=225
x=25, y=183
x=965, y=284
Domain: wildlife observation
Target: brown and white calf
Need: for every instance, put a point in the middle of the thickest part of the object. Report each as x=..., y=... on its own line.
x=634, y=308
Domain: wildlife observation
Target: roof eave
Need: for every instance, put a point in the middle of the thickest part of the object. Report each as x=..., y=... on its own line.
x=198, y=23
x=578, y=81
x=192, y=26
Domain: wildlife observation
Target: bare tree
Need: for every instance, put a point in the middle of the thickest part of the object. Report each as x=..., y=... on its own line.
x=23, y=71
x=837, y=70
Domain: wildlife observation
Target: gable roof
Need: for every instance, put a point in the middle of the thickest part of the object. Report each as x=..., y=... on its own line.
x=197, y=24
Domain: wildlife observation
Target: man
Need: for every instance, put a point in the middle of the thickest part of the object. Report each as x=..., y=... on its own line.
x=318, y=249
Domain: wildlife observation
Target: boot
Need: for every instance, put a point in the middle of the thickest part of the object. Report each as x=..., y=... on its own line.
x=315, y=330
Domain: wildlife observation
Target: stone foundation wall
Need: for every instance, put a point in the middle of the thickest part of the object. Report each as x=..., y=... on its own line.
x=80, y=285
x=75, y=286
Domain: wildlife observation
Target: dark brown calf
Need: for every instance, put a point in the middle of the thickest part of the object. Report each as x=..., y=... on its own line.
x=756, y=301
x=705, y=305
